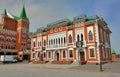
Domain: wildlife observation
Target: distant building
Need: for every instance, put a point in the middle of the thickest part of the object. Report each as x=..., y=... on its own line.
x=115, y=56
x=83, y=40
x=14, y=38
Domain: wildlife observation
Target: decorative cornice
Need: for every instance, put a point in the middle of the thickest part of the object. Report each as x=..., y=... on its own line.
x=9, y=32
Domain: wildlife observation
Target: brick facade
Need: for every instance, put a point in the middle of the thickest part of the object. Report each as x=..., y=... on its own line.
x=57, y=42
x=14, y=38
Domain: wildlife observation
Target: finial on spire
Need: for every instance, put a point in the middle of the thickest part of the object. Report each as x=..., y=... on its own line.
x=23, y=14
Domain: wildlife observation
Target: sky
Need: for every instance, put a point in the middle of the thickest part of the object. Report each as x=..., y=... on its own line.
x=43, y=12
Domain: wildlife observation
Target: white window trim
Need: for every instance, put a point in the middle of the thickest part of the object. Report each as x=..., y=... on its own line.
x=50, y=55
x=94, y=52
x=69, y=53
x=65, y=53
x=88, y=36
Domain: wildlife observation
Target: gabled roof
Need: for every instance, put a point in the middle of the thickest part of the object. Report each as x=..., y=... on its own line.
x=23, y=14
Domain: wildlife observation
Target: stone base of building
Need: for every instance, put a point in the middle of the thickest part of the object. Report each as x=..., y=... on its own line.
x=40, y=62
x=62, y=62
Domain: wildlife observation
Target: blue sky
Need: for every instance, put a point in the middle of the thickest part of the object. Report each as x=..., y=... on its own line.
x=42, y=12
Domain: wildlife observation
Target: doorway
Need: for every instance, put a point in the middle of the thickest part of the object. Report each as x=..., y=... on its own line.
x=81, y=58
x=41, y=57
x=56, y=55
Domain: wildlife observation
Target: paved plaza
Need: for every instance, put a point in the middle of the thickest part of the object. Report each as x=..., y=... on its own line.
x=55, y=70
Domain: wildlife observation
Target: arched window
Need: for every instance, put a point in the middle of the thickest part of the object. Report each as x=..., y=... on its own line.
x=70, y=38
x=38, y=43
x=44, y=42
x=38, y=54
x=49, y=42
x=33, y=44
x=49, y=54
x=59, y=40
x=64, y=40
x=81, y=37
x=90, y=35
x=78, y=37
x=56, y=40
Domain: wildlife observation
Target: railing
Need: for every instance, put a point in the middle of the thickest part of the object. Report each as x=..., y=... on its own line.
x=26, y=52
x=8, y=50
x=57, y=46
x=84, y=44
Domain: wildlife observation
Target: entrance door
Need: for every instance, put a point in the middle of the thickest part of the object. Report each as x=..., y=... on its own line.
x=41, y=57
x=82, y=58
x=57, y=56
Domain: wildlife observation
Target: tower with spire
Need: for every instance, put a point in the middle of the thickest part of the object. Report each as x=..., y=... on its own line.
x=20, y=25
x=22, y=29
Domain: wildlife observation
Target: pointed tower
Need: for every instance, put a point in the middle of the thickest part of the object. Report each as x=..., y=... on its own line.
x=23, y=14
x=22, y=29
x=4, y=19
x=4, y=12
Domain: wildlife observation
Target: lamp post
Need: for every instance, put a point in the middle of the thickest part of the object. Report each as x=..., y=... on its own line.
x=100, y=63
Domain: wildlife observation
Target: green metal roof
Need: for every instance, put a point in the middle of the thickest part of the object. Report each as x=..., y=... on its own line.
x=23, y=14
x=58, y=23
x=4, y=12
x=91, y=19
x=16, y=18
x=113, y=51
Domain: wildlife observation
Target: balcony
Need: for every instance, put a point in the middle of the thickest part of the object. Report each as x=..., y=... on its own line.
x=84, y=44
x=57, y=46
x=9, y=50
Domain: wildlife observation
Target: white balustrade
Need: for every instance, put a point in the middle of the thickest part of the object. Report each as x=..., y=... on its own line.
x=56, y=46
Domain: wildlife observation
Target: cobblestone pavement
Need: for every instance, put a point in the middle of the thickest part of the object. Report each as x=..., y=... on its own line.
x=55, y=70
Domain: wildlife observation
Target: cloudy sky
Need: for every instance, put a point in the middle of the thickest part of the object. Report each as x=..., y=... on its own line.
x=42, y=12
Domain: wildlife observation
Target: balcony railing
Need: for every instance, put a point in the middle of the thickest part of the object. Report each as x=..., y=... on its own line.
x=84, y=44
x=9, y=50
x=57, y=46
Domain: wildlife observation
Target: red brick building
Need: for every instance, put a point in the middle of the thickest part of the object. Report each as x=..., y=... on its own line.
x=14, y=38
x=83, y=40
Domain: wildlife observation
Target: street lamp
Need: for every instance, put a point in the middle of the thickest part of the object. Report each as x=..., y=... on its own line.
x=100, y=63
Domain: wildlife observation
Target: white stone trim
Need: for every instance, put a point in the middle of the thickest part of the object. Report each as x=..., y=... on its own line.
x=65, y=55
x=97, y=40
x=69, y=53
x=94, y=52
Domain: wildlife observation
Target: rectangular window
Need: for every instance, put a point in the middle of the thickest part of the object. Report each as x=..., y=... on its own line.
x=92, y=54
x=70, y=53
x=64, y=54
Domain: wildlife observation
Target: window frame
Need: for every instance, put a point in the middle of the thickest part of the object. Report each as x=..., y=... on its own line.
x=63, y=56
x=90, y=36
x=93, y=49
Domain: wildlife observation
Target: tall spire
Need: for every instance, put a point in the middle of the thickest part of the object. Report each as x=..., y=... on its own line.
x=4, y=12
x=23, y=14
